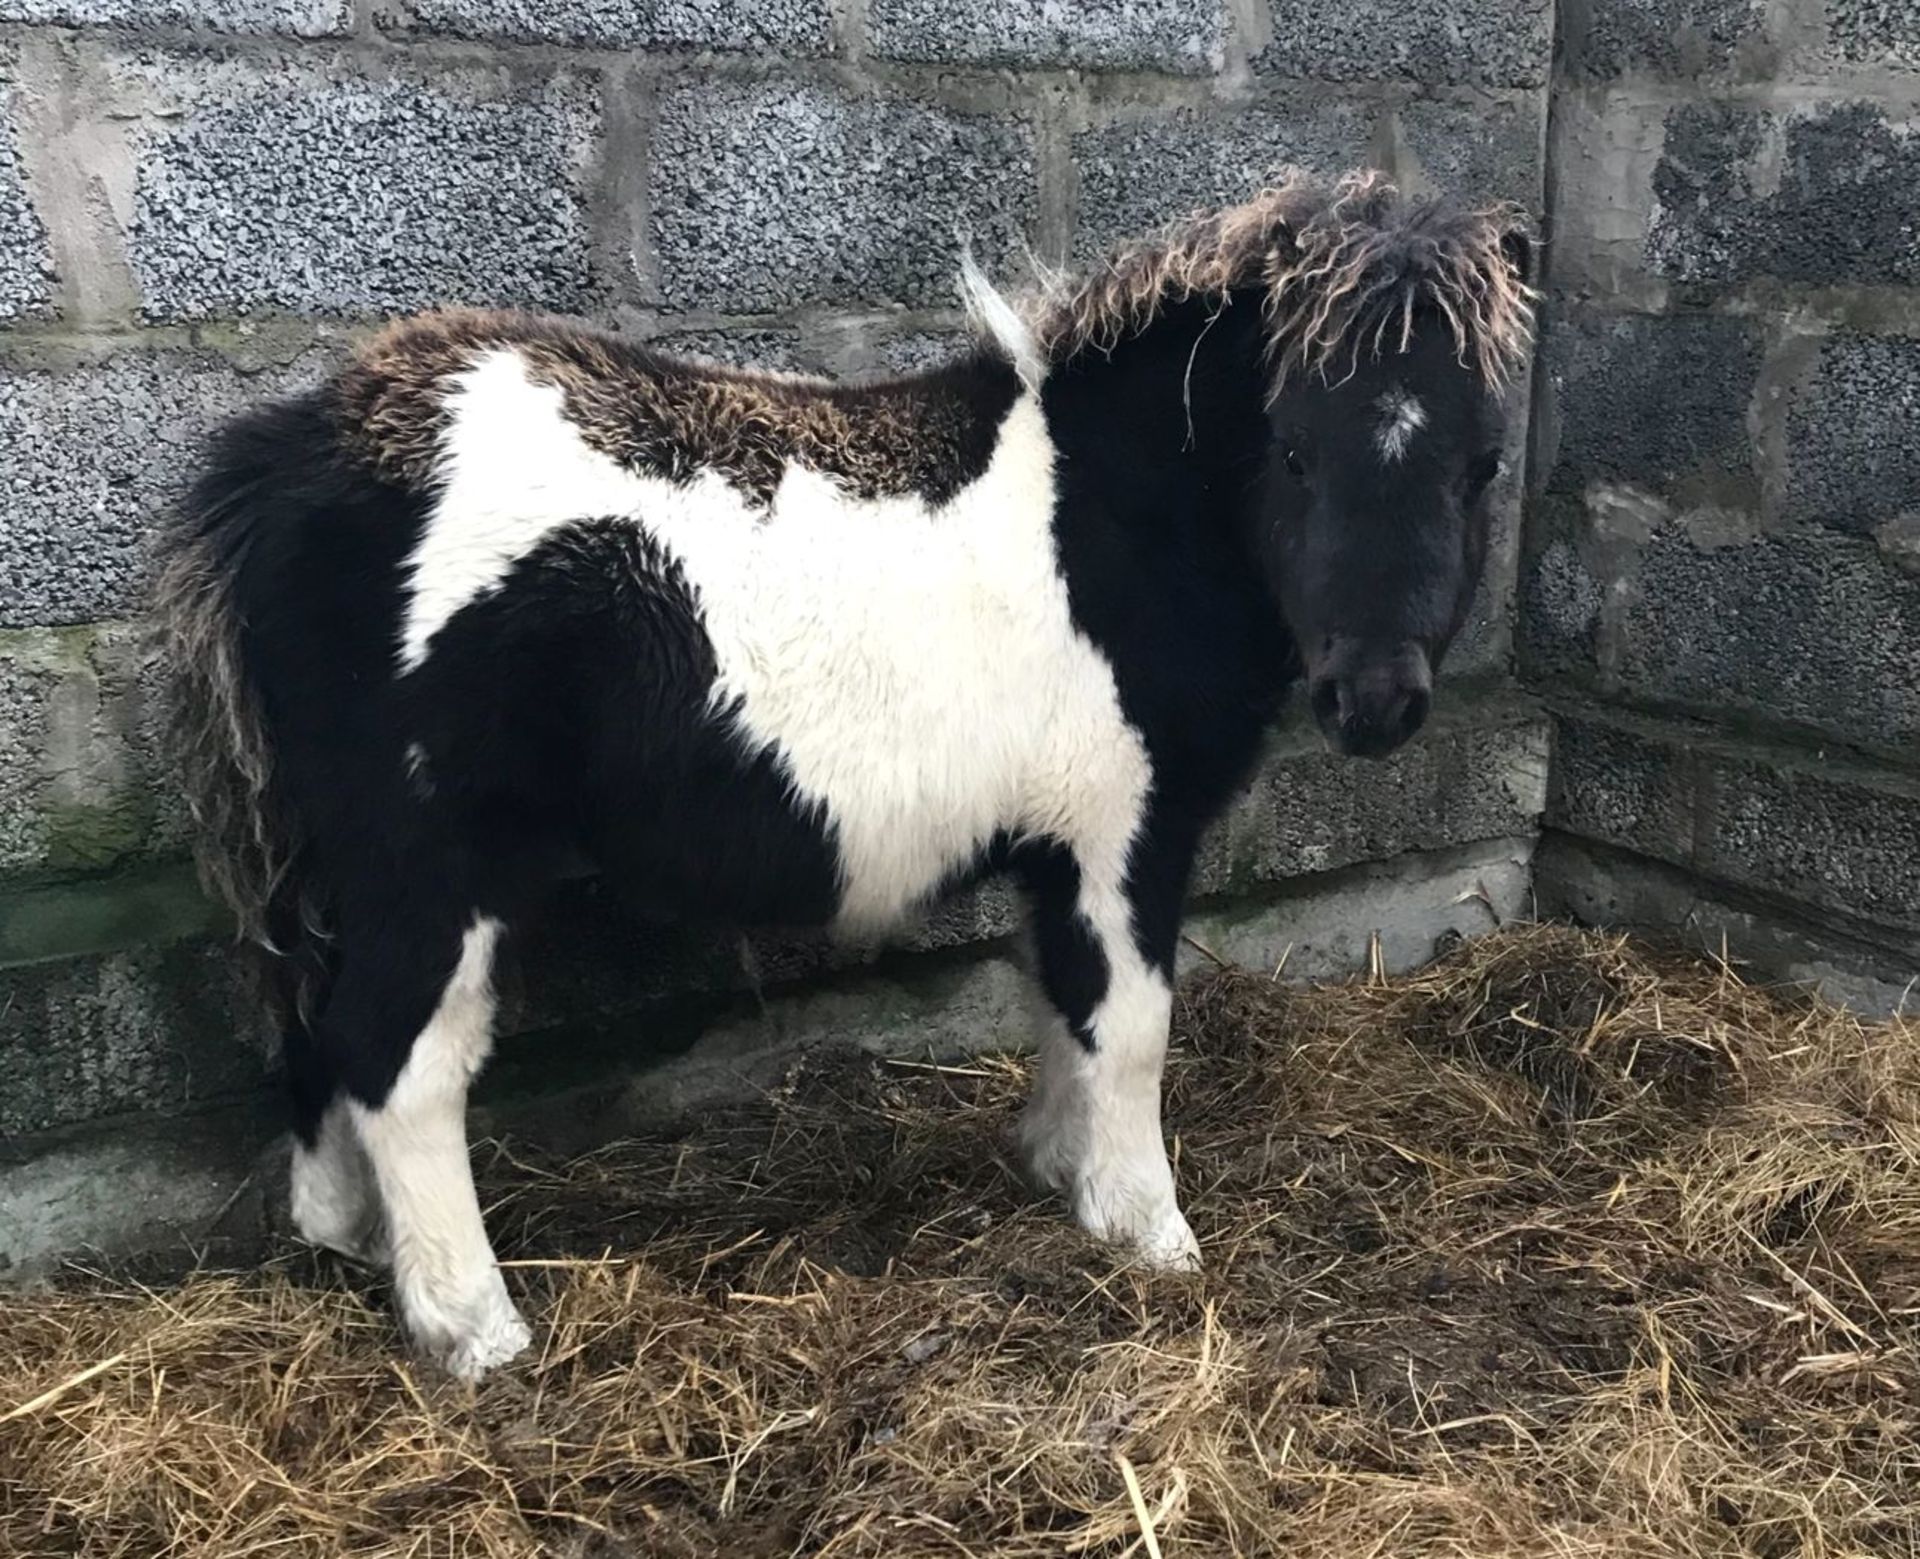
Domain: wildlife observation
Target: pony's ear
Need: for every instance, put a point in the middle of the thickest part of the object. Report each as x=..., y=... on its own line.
x=1282, y=245
x=1517, y=249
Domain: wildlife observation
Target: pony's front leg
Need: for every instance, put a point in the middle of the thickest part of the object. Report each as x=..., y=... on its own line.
x=1092, y=1127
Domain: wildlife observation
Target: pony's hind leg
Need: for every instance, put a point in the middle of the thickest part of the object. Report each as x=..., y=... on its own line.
x=414, y=1017
x=335, y=1203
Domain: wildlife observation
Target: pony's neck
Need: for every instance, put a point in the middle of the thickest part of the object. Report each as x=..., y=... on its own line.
x=1150, y=429
x=1162, y=446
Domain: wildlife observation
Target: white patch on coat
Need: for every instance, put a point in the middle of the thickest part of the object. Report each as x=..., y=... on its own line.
x=512, y=470
x=1401, y=416
x=914, y=669
x=449, y=1288
x=335, y=1203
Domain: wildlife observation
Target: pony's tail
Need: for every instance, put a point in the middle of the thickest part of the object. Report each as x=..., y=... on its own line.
x=247, y=847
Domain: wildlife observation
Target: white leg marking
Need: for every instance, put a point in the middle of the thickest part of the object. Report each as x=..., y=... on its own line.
x=1092, y=1128
x=335, y=1203
x=450, y=1290
x=1051, y=1127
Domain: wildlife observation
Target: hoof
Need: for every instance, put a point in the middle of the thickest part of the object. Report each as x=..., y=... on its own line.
x=366, y=1246
x=470, y=1336
x=504, y=1341
x=1043, y=1153
x=1168, y=1246
x=1151, y=1227
x=348, y=1224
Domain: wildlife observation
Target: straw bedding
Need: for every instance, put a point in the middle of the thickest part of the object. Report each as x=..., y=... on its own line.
x=1561, y=1246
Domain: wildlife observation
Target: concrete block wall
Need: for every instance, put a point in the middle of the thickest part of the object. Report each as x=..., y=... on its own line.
x=1721, y=590
x=203, y=201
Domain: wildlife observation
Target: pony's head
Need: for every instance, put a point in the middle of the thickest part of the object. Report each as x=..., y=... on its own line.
x=1391, y=329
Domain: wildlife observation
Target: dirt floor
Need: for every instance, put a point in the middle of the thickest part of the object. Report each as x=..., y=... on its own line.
x=1558, y=1247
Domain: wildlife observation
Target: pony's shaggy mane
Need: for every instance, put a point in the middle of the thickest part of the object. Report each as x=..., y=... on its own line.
x=1342, y=269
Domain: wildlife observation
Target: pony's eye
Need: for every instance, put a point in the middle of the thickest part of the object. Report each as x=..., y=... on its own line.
x=1483, y=470
x=1296, y=466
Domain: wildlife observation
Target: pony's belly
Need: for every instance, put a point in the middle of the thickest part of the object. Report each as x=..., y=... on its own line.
x=780, y=865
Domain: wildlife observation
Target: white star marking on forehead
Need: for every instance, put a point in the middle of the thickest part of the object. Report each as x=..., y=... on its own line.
x=1401, y=416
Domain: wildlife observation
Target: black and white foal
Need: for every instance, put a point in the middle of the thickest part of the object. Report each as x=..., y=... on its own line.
x=508, y=592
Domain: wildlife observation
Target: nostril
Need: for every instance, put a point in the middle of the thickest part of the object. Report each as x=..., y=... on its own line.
x=1413, y=713
x=1327, y=702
